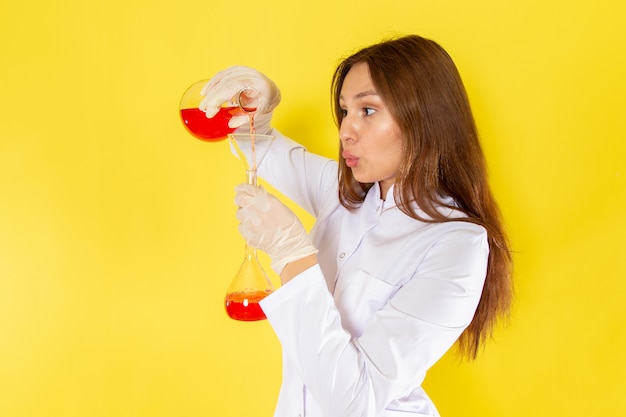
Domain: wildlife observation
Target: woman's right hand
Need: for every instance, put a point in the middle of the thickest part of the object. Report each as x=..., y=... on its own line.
x=224, y=87
x=269, y=225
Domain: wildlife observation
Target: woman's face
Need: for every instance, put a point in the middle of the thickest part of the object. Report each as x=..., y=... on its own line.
x=371, y=139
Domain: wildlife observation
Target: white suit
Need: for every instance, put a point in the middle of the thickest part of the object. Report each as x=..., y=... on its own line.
x=389, y=297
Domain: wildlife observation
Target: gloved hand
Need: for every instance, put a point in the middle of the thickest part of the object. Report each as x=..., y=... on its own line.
x=269, y=225
x=225, y=86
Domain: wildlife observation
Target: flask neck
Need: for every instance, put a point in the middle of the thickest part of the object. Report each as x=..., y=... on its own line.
x=248, y=100
x=251, y=177
x=250, y=253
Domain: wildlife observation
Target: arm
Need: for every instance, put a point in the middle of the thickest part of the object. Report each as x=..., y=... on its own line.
x=301, y=176
x=305, y=178
x=292, y=269
x=362, y=376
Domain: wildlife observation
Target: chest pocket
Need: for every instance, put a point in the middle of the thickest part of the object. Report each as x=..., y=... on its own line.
x=358, y=296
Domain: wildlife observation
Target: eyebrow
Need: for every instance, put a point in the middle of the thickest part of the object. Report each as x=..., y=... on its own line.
x=362, y=94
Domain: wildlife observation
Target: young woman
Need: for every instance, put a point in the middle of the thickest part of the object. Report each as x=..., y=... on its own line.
x=407, y=255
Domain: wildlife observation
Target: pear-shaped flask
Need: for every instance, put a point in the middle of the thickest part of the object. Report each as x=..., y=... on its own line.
x=249, y=286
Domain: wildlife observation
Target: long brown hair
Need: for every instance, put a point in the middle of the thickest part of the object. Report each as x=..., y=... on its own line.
x=442, y=156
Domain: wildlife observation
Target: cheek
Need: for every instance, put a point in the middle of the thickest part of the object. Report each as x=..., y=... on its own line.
x=393, y=147
x=387, y=148
x=392, y=162
x=387, y=159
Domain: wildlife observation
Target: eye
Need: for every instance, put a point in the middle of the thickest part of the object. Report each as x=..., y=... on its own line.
x=367, y=111
x=344, y=112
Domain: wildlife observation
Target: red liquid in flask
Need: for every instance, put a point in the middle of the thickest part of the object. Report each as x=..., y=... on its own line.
x=244, y=306
x=214, y=128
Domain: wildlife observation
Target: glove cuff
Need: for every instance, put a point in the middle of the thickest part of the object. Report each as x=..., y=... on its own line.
x=279, y=264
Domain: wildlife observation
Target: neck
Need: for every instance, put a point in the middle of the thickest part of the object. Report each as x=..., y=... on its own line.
x=384, y=189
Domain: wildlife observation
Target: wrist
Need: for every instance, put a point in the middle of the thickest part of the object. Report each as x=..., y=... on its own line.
x=295, y=268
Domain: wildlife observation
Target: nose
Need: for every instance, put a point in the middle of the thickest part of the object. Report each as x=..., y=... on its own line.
x=347, y=131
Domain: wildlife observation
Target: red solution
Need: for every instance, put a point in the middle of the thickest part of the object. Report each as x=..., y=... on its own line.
x=213, y=129
x=244, y=306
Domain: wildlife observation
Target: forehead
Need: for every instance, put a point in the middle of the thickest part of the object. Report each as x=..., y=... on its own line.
x=358, y=82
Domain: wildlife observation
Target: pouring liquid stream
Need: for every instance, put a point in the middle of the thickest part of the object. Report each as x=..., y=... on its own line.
x=252, y=135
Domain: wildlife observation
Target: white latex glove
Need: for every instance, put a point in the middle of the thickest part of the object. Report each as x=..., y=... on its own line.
x=226, y=85
x=267, y=224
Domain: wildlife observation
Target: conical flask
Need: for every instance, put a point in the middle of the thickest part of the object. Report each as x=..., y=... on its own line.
x=251, y=283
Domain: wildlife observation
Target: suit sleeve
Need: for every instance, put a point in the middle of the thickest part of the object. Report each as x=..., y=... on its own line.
x=304, y=177
x=420, y=322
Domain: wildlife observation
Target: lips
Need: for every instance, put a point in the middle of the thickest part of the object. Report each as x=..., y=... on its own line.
x=351, y=160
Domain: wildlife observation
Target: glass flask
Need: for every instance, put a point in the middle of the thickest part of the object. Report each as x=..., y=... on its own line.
x=215, y=128
x=251, y=283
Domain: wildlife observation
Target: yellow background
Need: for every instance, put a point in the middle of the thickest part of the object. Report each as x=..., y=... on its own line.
x=117, y=229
